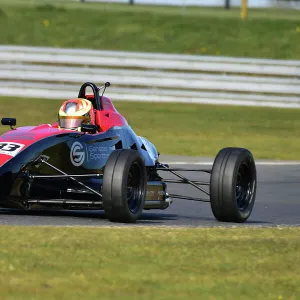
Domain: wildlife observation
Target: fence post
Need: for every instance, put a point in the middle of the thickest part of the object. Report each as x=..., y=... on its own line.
x=244, y=9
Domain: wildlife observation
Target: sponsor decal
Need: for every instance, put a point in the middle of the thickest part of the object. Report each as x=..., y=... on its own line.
x=98, y=152
x=10, y=148
x=81, y=152
x=18, y=136
x=77, y=154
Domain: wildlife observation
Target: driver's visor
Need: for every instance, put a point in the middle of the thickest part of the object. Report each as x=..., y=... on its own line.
x=71, y=122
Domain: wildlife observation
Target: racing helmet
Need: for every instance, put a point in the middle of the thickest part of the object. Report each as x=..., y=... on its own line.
x=75, y=112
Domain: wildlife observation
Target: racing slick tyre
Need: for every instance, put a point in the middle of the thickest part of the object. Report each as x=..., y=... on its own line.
x=233, y=185
x=124, y=186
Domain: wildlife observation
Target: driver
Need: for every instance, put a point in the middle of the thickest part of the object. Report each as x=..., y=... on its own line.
x=75, y=112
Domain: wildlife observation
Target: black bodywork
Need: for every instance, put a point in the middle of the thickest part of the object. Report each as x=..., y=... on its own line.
x=44, y=174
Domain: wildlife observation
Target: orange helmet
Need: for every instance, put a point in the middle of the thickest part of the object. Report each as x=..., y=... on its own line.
x=75, y=112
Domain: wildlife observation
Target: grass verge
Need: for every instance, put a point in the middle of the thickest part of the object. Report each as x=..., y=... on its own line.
x=190, y=129
x=147, y=263
x=267, y=33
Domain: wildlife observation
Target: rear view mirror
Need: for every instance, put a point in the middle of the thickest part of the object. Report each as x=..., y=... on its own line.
x=9, y=121
x=89, y=128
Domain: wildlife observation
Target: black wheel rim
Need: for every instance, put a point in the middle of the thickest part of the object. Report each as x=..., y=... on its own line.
x=245, y=185
x=134, y=188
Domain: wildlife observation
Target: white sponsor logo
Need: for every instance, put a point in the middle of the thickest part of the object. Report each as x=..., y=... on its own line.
x=10, y=148
x=98, y=152
x=77, y=154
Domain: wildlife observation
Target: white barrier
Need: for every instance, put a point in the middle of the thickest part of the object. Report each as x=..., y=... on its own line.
x=215, y=3
x=151, y=63
x=151, y=77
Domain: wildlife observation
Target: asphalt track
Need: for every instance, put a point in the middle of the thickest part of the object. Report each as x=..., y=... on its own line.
x=277, y=202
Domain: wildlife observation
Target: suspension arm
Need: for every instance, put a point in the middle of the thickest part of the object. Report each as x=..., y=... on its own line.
x=183, y=170
x=42, y=160
x=185, y=179
x=188, y=198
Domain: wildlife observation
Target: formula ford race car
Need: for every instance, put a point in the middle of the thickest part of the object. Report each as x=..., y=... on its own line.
x=106, y=166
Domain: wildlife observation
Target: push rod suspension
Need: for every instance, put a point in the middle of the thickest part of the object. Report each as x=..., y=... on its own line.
x=182, y=181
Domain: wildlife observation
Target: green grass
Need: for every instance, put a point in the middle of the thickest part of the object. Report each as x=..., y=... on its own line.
x=270, y=13
x=190, y=129
x=214, y=31
x=149, y=263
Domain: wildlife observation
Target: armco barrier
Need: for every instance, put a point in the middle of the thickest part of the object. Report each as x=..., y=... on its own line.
x=57, y=73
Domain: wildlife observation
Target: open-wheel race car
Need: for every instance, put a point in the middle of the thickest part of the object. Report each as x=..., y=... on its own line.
x=96, y=161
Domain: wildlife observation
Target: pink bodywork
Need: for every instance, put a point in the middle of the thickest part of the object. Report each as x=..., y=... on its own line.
x=26, y=136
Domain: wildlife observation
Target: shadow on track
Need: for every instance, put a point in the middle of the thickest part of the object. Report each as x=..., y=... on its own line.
x=146, y=218
x=80, y=217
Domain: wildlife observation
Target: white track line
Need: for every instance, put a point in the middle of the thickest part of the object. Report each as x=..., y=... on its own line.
x=259, y=163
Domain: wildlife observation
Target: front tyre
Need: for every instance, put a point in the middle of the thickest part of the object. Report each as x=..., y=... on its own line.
x=233, y=185
x=124, y=186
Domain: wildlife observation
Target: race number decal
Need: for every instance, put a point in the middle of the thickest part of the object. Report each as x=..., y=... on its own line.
x=10, y=148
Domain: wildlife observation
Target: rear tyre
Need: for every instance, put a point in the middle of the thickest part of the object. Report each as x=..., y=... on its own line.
x=124, y=186
x=233, y=185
